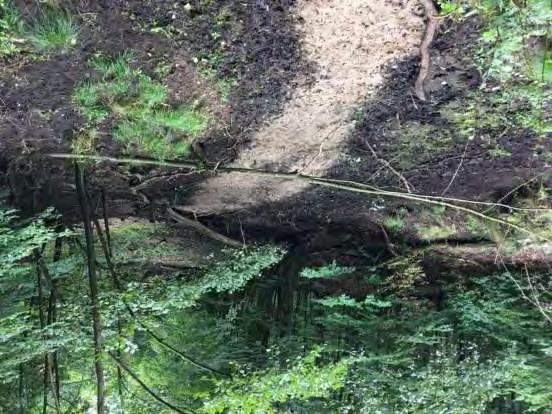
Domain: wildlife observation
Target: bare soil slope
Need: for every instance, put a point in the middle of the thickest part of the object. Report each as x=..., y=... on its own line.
x=350, y=42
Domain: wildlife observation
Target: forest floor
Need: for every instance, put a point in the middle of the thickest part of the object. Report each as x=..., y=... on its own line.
x=315, y=87
x=274, y=218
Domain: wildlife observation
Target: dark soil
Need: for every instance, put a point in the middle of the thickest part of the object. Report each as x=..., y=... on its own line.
x=255, y=44
x=343, y=218
x=261, y=50
x=452, y=78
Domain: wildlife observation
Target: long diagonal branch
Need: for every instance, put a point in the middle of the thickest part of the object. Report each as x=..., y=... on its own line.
x=330, y=183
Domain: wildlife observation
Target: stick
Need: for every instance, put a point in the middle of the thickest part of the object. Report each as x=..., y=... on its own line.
x=390, y=167
x=200, y=228
x=457, y=169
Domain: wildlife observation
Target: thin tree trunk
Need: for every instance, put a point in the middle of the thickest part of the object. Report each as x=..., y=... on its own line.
x=120, y=357
x=21, y=390
x=52, y=318
x=93, y=283
x=42, y=322
x=106, y=221
x=106, y=247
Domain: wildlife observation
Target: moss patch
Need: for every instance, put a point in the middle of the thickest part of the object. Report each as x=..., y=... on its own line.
x=415, y=142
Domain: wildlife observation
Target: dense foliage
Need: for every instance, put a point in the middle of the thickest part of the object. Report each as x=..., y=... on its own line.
x=485, y=349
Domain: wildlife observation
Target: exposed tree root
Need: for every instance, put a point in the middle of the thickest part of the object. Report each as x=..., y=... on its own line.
x=425, y=58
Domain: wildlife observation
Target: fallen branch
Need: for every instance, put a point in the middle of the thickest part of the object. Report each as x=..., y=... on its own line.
x=283, y=175
x=425, y=58
x=351, y=186
x=200, y=228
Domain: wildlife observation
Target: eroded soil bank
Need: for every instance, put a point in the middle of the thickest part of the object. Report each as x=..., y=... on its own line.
x=323, y=88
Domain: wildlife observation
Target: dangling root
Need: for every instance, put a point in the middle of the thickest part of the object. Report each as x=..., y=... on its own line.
x=425, y=59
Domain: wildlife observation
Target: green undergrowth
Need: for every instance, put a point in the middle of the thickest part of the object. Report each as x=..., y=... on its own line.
x=142, y=241
x=498, y=113
x=473, y=353
x=53, y=29
x=10, y=27
x=137, y=106
x=238, y=337
x=513, y=54
x=516, y=39
x=330, y=271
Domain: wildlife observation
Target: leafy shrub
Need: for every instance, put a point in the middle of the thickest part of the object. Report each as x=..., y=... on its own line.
x=261, y=392
x=517, y=34
x=330, y=271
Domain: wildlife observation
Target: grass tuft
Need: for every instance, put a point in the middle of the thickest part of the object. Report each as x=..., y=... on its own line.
x=10, y=27
x=144, y=121
x=54, y=29
x=118, y=67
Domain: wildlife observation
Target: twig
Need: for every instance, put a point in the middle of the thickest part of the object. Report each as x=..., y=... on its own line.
x=425, y=61
x=319, y=148
x=413, y=101
x=388, y=243
x=513, y=190
x=534, y=300
x=121, y=364
x=457, y=168
x=390, y=167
